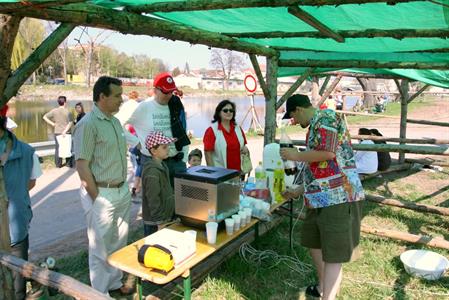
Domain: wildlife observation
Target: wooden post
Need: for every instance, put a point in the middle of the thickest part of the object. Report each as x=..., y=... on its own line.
x=270, y=105
x=329, y=90
x=403, y=128
x=324, y=85
x=9, y=26
x=415, y=95
x=294, y=87
x=259, y=75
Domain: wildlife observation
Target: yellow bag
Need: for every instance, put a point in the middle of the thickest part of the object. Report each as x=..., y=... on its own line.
x=246, y=165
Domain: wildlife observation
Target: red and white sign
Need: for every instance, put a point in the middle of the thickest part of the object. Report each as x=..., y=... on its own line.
x=250, y=83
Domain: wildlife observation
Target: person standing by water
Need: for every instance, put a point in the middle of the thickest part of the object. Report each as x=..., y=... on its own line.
x=224, y=141
x=100, y=152
x=79, y=112
x=21, y=168
x=61, y=119
x=332, y=193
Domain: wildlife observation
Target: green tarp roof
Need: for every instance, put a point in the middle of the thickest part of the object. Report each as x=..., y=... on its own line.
x=427, y=19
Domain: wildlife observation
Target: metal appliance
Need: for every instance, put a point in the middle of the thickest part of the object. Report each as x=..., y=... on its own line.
x=204, y=194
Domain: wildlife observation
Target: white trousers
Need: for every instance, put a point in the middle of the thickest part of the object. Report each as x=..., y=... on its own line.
x=107, y=230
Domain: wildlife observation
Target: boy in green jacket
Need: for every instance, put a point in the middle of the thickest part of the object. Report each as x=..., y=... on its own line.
x=158, y=201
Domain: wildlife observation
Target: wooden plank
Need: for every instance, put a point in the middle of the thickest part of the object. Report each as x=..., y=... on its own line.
x=126, y=22
x=428, y=161
x=34, y=61
x=391, y=169
x=443, y=211
x=66, y=284
x=294, y=87
x=259, y=75
x=425, y=87
x=315, y=23
x=229, y=4
x=270, y=104
x=324, y=85
x=397, y=140
x=425, y=122
x=329, y=90
x=403, y=123
x=7, y=8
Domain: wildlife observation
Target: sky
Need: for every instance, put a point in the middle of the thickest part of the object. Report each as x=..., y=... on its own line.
x=175, y=54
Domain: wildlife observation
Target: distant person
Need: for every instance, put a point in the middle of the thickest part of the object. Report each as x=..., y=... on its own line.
x=330, y=103
x=158, y=200
x=61, y=119
x=383, y=158
x=224, y=141
x=21, y=168
x=339, y=100
x=100, y=152
x=195, y=158
x=366, y=161
x=79, y=112
x=164, y=113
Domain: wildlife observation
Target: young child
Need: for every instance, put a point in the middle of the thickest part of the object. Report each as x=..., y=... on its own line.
x=195, y=157
x=158, y=200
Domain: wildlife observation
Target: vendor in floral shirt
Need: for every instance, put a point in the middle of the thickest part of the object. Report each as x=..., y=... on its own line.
x=332, y=192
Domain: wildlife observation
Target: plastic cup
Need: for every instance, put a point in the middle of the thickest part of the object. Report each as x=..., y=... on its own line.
x=236, y=222
x=249, y=212
x=192, y=236
x=242, y=215
x=211, y=231
x=229, y=222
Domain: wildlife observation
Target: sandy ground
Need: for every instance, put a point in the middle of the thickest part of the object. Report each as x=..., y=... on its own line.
x=58, y=226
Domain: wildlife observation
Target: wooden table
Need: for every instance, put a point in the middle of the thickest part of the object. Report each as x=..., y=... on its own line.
x=125, y=259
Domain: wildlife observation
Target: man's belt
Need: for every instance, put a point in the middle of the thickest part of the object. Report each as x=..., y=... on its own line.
x=110, y=185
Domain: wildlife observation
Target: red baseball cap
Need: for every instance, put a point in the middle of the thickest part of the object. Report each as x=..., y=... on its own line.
x=165, y=82
x=157, y=138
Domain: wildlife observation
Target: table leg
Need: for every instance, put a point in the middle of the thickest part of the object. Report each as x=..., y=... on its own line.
x=139, y=288
x=187, y=285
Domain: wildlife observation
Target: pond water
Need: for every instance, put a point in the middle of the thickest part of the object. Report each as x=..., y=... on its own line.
x=32, y=128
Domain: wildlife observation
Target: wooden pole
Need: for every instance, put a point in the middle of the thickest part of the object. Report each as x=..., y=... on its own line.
x=324, y=85
x=126, y=22
x=14, y=7
x=9, y=26
x=169, y=6
x=425, y=122
x=443, y=211
x=392, y=169
x=34, y=61
x=315, y=23
x=407, y=237
x=270, y=105
x=67, y=285
x=425, y=87
x=398, y=140
x=329, y=90
x=403, y=126
x=259, y=75
x=294, y=87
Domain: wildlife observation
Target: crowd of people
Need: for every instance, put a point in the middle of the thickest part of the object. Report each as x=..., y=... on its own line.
x=153, y=133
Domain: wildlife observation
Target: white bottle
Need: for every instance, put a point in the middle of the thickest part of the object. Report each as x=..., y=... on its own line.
x=285, y=142
x=261, y=177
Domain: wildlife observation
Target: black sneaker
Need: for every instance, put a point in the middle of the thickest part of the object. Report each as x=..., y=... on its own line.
x=133, y=192
x=312, y=291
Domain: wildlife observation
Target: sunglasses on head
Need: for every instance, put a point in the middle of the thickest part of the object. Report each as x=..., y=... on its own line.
x=227, y=110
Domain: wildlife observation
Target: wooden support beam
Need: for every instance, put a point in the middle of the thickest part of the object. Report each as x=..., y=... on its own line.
x=270, y=104
x=324, y=85
x=403, y=124
x=432, y=209
x=392, y=169
x=315, y=23
x=348, y=34
x=406, y=237
x=230, y=4
x=259, y=75
x=8, y=8
x=34, y=61
x=419, y=92
x=364, y=75
x=425, y=122
x=329, y=90
x=398, y=140
x=126, y=22
x=66, y=284
x=344, y=64
x=294, y=87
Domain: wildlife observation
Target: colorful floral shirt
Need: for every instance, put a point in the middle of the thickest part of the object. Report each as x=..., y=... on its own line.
x=333, y=181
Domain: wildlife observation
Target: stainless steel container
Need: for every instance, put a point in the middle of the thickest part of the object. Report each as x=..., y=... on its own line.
x=205, y=193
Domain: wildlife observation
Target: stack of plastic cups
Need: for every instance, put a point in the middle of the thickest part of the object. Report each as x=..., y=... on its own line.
x=236, y=222
x=229, y=222
x=242, y=215
x=248, y=211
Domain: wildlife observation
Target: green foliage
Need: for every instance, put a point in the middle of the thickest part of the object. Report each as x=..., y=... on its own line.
x=31, y=34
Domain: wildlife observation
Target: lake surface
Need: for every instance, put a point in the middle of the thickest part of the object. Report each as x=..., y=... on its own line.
x=32, y=128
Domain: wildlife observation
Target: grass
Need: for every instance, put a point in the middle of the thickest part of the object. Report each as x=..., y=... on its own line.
x=377, y=274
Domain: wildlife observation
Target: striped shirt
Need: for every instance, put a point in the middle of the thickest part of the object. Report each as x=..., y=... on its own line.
x=100, y=140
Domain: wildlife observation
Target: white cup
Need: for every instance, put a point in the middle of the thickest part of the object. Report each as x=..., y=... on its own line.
x=242, y=215
x=191, y=234
x=229, y=222
x=236, y=222
x=248, y=211
x=211, y=231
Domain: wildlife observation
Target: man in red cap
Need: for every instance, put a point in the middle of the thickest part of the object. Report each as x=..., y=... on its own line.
x=164, y=113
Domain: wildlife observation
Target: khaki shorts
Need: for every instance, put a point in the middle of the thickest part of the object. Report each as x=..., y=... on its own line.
x=334, y=229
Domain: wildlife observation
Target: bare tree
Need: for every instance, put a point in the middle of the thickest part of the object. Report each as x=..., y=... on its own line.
x=226, y=61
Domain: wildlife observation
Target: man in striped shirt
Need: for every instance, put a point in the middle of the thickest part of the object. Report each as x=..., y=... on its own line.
x=100, y=152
